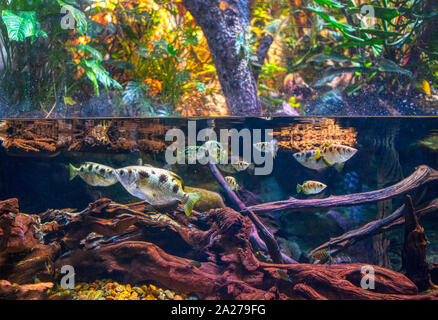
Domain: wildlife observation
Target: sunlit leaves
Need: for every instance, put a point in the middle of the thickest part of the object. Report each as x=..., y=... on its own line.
x=22, y=25
x=97, y=74
x=80, y=17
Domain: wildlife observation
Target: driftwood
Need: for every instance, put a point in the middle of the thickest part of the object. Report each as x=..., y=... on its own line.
x=393, y=221
x=422, y=175
x=269, y=240
x=218, y=263
x=22, y=255
x=414, y=249
x=208, y=255
x=35, y=291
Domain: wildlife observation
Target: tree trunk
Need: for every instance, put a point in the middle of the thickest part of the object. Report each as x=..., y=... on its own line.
x=225, y=26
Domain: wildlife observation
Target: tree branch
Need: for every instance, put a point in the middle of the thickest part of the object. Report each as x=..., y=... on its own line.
x=266, y=235
x=423, y=174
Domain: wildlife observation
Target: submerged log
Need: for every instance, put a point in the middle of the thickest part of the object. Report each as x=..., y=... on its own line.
x=22, y=255
x=223, y=265
x=422, y=175
x=35, y=291
x=414, y=249
x=393, y=221
x=266, y=236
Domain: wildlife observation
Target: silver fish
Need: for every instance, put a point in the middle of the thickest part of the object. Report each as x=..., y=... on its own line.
x=311, y=159
x=94, y=174
x=158, y=187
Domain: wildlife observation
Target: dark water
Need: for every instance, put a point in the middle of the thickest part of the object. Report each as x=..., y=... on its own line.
x=35, y=157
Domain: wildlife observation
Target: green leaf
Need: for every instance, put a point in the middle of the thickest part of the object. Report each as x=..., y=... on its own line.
x=372, y=42
x=100, y=74
x=69, y=101
x=22, y=25
x=88, y=49
x=80, y=17
x=92, y=77
x=379, y=12
x=385, y=13
x=385, y=65
x=380, y=33
x=330, y=3
x=332, y=21
x=333, y=56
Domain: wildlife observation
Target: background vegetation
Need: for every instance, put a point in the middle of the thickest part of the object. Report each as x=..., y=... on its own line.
x=150, y=58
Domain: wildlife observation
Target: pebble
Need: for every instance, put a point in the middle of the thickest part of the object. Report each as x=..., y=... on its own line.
x=111, y=290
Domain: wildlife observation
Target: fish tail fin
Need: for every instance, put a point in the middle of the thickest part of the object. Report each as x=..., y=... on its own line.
x=298, y=188
x=191, y=201
x=73, y=171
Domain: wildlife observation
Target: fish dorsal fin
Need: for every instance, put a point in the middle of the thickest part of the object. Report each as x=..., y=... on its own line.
x=317, y=155
x=177, y=177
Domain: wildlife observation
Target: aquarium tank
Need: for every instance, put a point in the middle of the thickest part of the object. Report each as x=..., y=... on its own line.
x=218, y=150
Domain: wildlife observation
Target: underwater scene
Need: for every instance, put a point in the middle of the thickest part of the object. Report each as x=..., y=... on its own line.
x=219, y=208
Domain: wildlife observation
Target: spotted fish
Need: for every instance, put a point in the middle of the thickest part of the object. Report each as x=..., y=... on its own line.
x=158, y=187
x=232, y=183
x=94, y=174
x=268, y=147
x=236, y=165
x=332, y=155
x=337, y=153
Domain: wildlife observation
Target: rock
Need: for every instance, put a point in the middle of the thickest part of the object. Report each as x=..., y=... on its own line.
x=98, y=107
x=327, y=104
x=17, y=233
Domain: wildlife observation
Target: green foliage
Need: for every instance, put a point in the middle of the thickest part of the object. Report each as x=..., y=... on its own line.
x=372, y=50
x=153, y=53
x=162, y=63
x=96, y=73
x=80, y=17
x=38, y=62
x=22, y=25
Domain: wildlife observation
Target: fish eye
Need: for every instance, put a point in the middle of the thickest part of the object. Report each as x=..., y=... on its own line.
x=122, y=172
